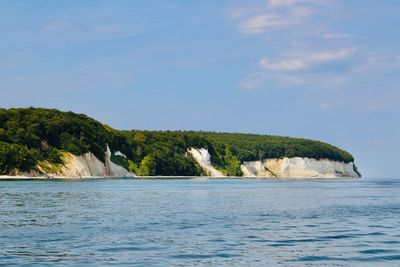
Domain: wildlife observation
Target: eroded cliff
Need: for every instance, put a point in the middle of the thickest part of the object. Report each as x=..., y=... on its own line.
x=203, y=158
x=83, y=166
x=298, y=168
x=282, y=168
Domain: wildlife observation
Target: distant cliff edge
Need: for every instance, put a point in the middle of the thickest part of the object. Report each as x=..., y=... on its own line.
x=37, y=142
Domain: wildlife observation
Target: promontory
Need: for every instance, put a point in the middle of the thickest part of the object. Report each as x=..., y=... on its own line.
x=48, y=143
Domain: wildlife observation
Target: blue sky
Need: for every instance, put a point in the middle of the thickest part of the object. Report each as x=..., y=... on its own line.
x=325, y=70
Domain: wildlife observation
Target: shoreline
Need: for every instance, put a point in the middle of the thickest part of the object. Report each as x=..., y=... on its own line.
x=27, y=178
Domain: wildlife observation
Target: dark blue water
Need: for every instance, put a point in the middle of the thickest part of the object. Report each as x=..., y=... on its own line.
x=200, y=222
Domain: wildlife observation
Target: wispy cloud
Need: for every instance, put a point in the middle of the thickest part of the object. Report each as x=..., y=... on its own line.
x=273, y=14
x=269, y=20
x=357, y=87
x=301, y=59
x=306, y=59
x=332, y=55
x=285, y=65
x=260, y=23
x=258, y=79
x=298, y=69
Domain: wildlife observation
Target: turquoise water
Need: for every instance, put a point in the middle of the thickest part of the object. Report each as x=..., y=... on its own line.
x=230, y=222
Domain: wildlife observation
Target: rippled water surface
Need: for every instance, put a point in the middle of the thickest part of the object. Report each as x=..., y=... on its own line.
x=227, y=222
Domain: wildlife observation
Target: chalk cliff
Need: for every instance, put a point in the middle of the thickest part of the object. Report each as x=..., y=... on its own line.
x=203, y=158
x=298, y=168
x=89, y=166
x=83, y=166
x=281, y=168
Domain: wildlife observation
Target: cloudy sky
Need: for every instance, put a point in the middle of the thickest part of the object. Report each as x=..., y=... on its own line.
x=326, y=70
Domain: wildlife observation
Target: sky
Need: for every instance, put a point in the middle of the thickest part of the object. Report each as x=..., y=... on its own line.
x=327, y=70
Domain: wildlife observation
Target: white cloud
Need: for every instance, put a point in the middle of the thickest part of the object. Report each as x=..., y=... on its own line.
x=269, y=20
x=309, y=54
x=259, y=24
x=358, y=87
x=258, y=79
x=304, y=60
x=284, y=65
x=332, y=55
x=299, y=69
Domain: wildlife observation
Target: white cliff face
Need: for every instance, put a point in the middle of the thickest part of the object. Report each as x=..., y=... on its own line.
x=88, y=165
x=298, y=168
x=113, y=169
x=203, y=158
x=85, y=166
x=281, y=168
x=254, y=169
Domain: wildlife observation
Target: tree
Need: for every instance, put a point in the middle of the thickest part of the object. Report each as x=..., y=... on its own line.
x=147, y=166
x=232, y=164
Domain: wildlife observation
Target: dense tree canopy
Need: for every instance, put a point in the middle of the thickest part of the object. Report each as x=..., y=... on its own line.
x=43, y=133
x=31, y=135
x=227, y=149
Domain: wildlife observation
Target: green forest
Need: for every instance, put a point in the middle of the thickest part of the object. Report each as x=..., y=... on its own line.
x=31, y=135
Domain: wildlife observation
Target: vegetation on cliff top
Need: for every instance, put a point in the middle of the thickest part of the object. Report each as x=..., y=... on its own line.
x=31, y=135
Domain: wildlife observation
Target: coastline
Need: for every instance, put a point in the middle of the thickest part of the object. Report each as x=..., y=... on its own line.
x=158, y=177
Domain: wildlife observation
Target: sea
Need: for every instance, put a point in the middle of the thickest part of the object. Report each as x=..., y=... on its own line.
x=200, y=222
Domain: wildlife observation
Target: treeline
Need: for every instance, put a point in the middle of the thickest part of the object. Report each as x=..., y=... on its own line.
x=34, y=134
x=249, y=147
x=166, y=153
x=31, y=135
x=227, y=150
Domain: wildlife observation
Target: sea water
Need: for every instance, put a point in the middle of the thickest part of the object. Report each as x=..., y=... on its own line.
x=200, y=222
